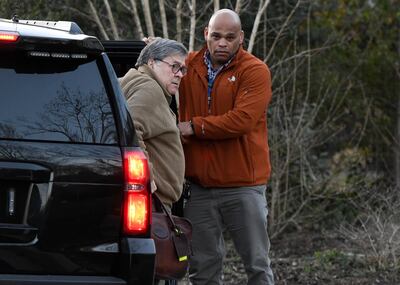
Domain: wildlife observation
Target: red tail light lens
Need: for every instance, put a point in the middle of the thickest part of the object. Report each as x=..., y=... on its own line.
x=136, y=168
x=8, y=36
x=136, y=216
x=137, y=202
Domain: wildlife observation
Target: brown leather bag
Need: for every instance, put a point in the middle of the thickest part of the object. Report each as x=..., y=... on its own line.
x=172, y=236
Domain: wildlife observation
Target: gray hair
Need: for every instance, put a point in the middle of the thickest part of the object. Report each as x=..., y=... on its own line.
x=160, y=48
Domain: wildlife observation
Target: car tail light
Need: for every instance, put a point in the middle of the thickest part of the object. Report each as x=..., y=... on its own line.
x=9, y=37
x=136, y=169
x=137, y=201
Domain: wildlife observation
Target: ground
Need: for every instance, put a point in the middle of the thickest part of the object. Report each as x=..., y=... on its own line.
x=312, y=258
x=308, y=258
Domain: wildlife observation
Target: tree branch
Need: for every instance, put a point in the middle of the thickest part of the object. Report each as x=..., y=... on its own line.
x=111, y=19
x=97, y=20
x=261, y=9
x=281, y=30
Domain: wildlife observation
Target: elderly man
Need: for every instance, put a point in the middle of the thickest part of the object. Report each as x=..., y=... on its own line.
x=148, y=90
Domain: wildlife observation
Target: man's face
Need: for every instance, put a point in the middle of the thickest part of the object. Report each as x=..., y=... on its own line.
x=223, y=36
x=166, y=73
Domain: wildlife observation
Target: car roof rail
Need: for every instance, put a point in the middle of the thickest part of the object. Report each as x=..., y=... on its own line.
x=67, y=26
x=14, y=18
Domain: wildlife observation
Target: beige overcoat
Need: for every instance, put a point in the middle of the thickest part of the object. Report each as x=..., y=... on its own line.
x=156, y=129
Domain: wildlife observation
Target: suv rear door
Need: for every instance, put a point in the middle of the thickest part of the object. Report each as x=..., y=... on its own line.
x=61, y=168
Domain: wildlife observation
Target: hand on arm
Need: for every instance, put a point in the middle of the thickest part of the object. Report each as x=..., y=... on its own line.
x=186, y=128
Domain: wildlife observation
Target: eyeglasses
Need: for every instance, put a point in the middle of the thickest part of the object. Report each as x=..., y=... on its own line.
x=176, y=67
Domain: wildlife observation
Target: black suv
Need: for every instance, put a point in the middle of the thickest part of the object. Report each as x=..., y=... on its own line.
x=75, y=204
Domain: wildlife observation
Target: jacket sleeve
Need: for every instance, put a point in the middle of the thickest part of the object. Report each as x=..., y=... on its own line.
x=251, y=102
x=143, y=106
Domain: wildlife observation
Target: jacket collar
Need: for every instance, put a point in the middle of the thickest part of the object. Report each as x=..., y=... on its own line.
x=198, y=59
x=147, y=70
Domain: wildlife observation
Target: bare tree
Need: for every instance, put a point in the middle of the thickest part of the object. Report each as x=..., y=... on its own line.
x=76, y=116
x=192, y=8
x=204, y=10
x=216, y=5
x=397, y=144
x=296, y=128
x=283, y=27
x=264, y=35
x=136, y=18
x=261, y=8
x=111, y=19
x=163, y=18
x=95, y=15
x=147, y=17
x=238, y=6
x=397, y=140
x=377, y=234
x=178, y=13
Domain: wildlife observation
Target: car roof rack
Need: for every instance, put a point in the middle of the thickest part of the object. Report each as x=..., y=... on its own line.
x=66, y=26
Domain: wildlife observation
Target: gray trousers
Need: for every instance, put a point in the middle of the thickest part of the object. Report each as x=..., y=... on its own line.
x=243, y=212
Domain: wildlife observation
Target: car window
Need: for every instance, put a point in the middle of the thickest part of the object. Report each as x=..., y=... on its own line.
x=56, y=100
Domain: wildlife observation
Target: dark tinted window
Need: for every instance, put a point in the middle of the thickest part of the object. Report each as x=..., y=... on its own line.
x=57, y=100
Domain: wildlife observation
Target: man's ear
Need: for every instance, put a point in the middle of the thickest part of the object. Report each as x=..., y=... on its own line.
x=205, y=33
x=241, y=37
x=150, y=62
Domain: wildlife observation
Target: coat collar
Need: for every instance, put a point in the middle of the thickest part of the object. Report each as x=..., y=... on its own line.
x=198, y=59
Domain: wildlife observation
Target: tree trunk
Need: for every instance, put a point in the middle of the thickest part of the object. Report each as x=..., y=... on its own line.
x=397, y=142
x=261, y=8
x=178, y=13
x=264, y=46
x=136, y=18
x=216, y=5
x=192, y=24
x=238, y=6
x=147, y=18
x=111, y=19
x=163, y=18
x=97, y=20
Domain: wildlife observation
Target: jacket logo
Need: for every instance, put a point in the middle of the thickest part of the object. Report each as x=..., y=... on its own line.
x=232, y=79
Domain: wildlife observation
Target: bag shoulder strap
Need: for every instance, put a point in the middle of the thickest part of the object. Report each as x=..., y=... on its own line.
x=159, y=204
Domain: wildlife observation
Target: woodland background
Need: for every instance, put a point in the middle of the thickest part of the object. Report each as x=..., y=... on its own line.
x=334, y=120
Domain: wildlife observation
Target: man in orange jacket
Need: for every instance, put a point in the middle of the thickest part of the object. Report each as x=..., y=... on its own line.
x=223, y=102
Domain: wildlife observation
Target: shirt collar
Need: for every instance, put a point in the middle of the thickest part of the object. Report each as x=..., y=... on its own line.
x=207, y=62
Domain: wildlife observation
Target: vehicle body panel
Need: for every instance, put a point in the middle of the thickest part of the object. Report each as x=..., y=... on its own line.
x=61, y=195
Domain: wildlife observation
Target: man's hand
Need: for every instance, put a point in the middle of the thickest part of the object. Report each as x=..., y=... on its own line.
x=148, y=40
x=185, y=128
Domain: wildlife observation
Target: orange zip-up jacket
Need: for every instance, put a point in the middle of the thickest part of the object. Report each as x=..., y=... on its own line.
x=230, y=145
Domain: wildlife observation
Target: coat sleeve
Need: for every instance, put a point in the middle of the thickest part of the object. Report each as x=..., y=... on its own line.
x=251, y=102
x=143, y=106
